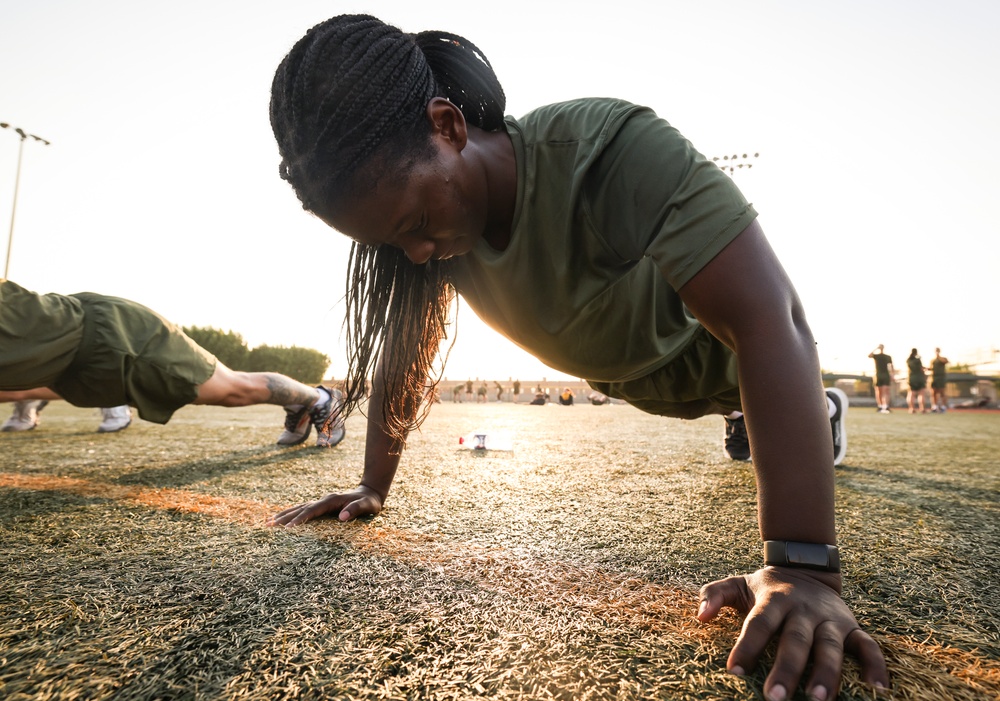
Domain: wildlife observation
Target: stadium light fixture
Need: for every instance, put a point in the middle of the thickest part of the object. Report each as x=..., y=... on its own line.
x=17, y=182
x=731, y=163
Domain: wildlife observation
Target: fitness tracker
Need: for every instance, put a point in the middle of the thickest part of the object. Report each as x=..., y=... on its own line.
x=814, y=556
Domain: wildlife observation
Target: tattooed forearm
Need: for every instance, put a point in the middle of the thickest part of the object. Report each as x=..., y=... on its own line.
x=286, y=391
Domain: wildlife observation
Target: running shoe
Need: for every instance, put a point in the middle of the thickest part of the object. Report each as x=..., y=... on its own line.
x=299, y=421
x=297, y=426
x=736, y=445
x=116, y=418
x=25, y=416
x=328, y=420
x=837, y=423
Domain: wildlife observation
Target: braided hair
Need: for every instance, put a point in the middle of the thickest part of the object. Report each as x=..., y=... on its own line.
x=348, y=109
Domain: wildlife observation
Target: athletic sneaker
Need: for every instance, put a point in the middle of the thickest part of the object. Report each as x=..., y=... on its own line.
x=116, y=418
x=329, y=421
x=25, y=416
x=325, y=416
x=839, y=400
x=737, y=443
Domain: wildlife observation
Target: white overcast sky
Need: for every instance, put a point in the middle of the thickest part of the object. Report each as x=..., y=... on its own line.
x=876, y=122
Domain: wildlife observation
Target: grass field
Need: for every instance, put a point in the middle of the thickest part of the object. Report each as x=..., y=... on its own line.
x=136, y=565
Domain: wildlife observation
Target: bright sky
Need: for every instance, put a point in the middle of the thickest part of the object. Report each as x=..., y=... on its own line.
x=876, y=124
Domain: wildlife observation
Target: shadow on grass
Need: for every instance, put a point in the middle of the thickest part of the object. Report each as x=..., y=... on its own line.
x=916, y=491
x=213, y=466
x=159, y=606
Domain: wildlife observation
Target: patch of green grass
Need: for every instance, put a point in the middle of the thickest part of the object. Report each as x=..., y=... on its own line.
x=567, y=568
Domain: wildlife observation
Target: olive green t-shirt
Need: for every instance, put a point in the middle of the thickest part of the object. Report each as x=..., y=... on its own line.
x=615, y=212
x=39, y=336
x=939, y=370
x=98, y=351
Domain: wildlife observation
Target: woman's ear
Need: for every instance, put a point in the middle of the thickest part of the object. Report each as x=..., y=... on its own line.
x=448, y=122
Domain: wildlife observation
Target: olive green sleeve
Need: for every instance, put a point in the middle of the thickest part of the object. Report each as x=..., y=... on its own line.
x=654, y=194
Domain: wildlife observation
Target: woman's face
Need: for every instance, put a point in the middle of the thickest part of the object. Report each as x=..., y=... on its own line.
x=437, y=212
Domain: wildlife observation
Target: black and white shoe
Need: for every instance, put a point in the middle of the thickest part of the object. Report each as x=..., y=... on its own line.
x=736, y=445
x=297, y=426
x=837, y=423
x=328, y=419
x=325, y=416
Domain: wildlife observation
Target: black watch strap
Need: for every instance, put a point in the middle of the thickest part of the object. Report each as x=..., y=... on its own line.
x=814, y=556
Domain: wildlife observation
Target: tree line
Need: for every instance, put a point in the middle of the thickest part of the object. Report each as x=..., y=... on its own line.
x=303, y=364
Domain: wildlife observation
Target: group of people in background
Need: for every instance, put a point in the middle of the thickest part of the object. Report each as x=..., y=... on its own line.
x=917, y=398
x=539, y=395
x=467, y=390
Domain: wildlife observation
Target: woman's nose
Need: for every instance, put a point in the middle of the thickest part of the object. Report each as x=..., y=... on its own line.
x=418, y=251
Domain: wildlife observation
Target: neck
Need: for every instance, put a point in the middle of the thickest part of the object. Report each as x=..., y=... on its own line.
x=501, y=180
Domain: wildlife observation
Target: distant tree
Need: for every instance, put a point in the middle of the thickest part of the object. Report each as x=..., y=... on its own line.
x=303, y=364
x=228, y=346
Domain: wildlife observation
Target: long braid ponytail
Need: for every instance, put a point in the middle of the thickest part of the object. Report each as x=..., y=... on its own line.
x=348, y=109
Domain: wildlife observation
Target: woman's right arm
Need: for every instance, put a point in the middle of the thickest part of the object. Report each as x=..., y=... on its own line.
x=381, y=460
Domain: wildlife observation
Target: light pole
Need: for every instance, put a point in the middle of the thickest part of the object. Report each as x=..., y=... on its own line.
x=17, y=182
x=732, y=163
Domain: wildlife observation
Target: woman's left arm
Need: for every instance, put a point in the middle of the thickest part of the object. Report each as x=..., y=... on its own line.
x=745, y=299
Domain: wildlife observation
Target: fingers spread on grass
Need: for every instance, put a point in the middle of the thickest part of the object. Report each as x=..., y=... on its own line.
x=717, y=595
x=283, y=516
x=292, y=517
x=365, y=505
x=794, y=648
x=297, y=515
x=349, y=513
x=869, y=655
x=828, y=661
x=759, y=628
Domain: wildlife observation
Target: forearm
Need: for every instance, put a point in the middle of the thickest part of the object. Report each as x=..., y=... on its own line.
x=789, y=427
x=382, y=452
x=745, y=299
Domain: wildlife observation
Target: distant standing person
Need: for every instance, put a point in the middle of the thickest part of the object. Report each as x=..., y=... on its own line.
x=499, y=390
x=517, y=389
x=883, y=378
x=918, y=383
x=939, y=380
x=468, y=390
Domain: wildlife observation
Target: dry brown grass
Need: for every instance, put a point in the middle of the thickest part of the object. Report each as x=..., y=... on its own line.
x=137, y=566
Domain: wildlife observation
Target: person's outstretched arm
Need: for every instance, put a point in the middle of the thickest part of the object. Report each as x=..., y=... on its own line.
x=381, y=460
x=745, y=299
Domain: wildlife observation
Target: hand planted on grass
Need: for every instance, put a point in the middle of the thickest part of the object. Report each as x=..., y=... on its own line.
x=804, y=611
x=360, y=501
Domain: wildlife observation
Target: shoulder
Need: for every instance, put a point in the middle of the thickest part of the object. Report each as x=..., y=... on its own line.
x=577, y=119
